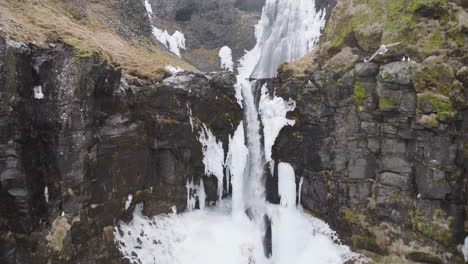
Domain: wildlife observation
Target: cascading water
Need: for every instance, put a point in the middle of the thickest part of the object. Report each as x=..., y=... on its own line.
x=287, y=30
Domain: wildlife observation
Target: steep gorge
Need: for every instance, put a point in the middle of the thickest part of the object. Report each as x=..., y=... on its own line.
x=379, y=148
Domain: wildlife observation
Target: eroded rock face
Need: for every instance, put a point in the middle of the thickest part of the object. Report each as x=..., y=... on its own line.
x=71, y=158
x=371, y=168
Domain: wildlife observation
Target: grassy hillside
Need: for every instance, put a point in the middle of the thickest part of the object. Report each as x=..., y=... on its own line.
x=90, y=28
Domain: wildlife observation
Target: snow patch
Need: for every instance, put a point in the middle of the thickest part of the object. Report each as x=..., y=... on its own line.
x=173, y=70
x=38, y=92
x=225, y=54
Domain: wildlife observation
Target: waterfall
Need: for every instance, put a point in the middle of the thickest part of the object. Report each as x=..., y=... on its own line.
x=287, y=30
x=247, y=229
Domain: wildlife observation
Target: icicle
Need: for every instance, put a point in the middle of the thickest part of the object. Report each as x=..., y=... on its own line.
x=38, y=92
x=201, y=195
x=286, y=185
x=129, y=201
x=236, y=163
x=225, y=55
x=213, y=157
x=299, y=194
x=174, y=209
x=190, y=195
x=46, y=194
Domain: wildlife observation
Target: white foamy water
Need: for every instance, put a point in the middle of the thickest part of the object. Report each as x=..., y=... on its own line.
x=223, y=233
x=213, y=236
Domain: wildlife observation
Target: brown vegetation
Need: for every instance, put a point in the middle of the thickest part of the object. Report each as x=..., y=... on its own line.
x=83, y=27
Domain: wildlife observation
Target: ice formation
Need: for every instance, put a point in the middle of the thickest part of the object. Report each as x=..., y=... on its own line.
x=46, y=194
x=299, y=192
x=213, y=156
x=273, y=113
x=128, y=202
x=235, y=163
x=194, y=193
x=174, y=42
x=225, y=55
x=38, y=92
x=224, y=233
x=286, y=185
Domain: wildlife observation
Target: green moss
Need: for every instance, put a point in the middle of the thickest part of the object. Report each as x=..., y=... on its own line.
x=392, y=259
x=375, y=22
x=81, y=50
x=349, y=216
x=435, y=41
x=360, y=93
x=354, y=218
x=437, y=228
x=433, y=76
x=441, y=106
x=367, y=243
x=432, y=123
x=416, y=5
x=385, y=102
x=399, y=21
x=432, y=5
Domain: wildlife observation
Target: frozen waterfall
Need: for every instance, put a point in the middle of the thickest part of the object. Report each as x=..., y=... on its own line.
x=247, y=229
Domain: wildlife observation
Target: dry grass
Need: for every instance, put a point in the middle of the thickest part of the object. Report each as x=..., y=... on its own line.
x=203, y=56
x=53, y=20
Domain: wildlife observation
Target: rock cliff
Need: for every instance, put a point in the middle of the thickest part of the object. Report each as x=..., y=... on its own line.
x=81, y=145
x=381, y=145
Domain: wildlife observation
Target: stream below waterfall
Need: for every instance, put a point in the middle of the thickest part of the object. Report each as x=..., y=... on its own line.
x=246, y=228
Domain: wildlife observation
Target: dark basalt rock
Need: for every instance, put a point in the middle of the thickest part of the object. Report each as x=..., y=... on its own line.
x=373, y=171
x=93, y=140
x=133, y=14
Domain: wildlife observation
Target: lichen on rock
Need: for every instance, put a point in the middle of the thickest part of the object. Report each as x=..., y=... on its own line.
x=59, y=230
